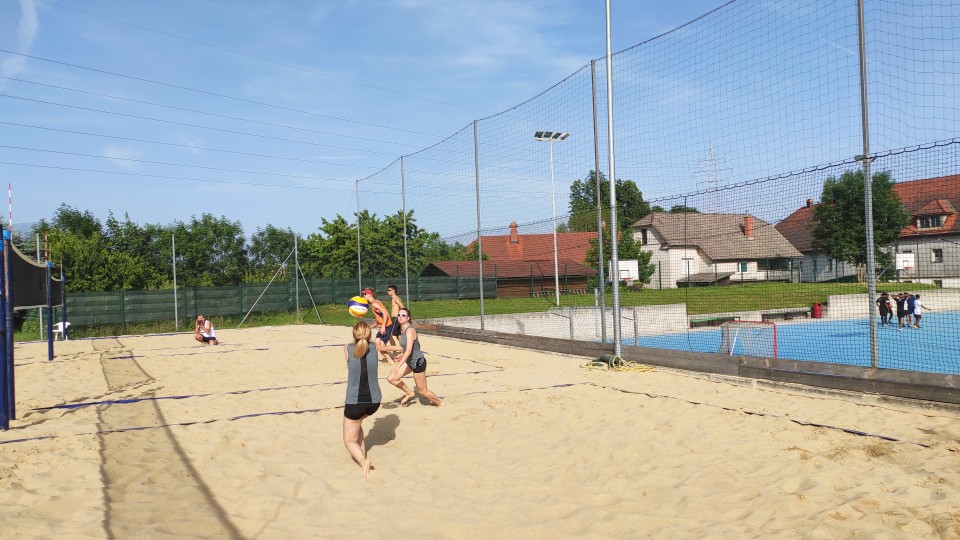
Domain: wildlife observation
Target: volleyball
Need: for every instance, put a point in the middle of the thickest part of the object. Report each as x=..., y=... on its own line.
x=357, y=306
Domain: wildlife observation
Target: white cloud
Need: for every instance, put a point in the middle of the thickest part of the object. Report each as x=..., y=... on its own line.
x=26, y=33
x=119, y=156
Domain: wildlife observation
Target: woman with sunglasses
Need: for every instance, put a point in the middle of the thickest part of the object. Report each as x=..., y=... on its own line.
x=410, y=360
x=363, y=393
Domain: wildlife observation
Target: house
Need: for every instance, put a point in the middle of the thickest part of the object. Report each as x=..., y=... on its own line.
x=928, y=249
x=535, y=247
x=523, y=265
x=691, y=249
x=815, y=266
x=518, y=279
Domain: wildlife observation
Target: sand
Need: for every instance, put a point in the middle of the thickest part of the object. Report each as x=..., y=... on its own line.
x=244, y=440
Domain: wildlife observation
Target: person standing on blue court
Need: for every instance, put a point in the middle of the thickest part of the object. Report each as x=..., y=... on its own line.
x=363, y=393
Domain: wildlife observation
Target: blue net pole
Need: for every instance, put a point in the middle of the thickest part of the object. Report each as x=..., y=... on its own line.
x=49, y=311
x=4, y=402
x=10, y=400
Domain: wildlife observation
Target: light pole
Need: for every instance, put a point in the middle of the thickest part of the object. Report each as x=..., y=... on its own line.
x=552, y=137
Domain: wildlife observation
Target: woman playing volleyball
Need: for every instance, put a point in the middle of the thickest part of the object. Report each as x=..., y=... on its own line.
x=410, y=360
x=363, y=393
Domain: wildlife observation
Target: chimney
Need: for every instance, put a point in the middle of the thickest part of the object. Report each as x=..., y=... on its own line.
x=514, y=236
x=809, y=203
x=748, y=227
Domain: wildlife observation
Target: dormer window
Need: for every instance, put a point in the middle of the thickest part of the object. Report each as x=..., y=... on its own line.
x=929, y=222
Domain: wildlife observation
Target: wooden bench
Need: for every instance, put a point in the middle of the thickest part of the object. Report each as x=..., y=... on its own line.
x=711, y=321
x=786, y=315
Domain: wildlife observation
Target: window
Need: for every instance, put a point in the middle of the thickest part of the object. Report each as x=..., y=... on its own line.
x=643, y=237
x=829, y=265
x=929, y=222
x=773, y=264
x=743, y=268
x=936, y=255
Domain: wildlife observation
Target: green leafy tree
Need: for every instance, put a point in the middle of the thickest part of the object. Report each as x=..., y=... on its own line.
x=583, y=203
x=269, y=248
x=627, y=249
x=839, y=227
x=210, y=251
x=683, y=209
x=331, y=252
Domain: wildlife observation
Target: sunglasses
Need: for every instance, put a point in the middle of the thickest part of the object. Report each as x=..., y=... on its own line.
x=402, y=315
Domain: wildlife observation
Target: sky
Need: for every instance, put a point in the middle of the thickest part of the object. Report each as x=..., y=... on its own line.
x=267, y=112
x=282, y=112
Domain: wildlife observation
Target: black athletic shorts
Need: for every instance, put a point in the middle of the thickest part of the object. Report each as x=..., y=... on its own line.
x=419, y=365
x=356, y=411
x=389, y=331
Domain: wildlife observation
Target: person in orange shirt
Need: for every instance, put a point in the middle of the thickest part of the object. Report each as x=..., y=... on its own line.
x=384, y=323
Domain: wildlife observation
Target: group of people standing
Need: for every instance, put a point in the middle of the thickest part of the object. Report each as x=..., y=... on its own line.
x=908, y=308
x=363, y=388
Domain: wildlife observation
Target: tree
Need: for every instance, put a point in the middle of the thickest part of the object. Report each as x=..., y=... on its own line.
x=627, y=249
x=683, y=209
x=269, y=248
x=583, y=203
x=210, y=251
x=839, y=227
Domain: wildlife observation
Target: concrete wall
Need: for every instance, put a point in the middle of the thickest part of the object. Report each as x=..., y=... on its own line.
x=852, y=306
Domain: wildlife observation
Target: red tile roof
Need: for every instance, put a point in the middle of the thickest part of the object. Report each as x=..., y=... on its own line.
x=536, y=247
x=507, y=269
x=931, y=196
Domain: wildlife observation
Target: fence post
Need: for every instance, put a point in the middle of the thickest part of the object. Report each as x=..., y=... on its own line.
x=636, y=327
x=123, y=314
x=570, y=317
x=242, y=311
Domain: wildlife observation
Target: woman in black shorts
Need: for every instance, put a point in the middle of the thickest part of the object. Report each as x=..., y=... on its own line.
x=411, y=360
x=363, y=393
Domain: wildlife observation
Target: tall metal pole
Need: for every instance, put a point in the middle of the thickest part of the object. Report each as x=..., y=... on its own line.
x=476, y=172
x=359, y=271
x=49, y=310
x=868, y=193
x=596, y=174
x=11, y=403
x=296, y=275
x=173, y=260
x=556, y=263
x=614, y=262
x=4, y=410
x=39, y=309
x=403, y=205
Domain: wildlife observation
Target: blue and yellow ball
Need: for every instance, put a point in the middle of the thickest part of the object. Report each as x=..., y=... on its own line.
x=358, y=306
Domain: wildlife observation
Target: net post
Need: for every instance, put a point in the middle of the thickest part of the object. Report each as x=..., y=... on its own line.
x=4, y=390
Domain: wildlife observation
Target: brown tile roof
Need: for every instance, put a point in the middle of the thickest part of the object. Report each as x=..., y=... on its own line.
x=921, y=197
x=720, y=236
x=507, y=269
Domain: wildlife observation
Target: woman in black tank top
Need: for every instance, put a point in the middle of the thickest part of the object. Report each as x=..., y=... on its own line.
x=411, y=360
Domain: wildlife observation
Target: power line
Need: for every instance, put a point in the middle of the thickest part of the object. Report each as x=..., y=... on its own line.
x=187, y=146
x=254, y=102
x=61, y=152
x=262, y=59
x=195, y=125
x=167, y=177
x=207, y=113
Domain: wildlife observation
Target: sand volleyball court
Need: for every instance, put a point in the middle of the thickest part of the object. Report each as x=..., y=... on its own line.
x=157, y=436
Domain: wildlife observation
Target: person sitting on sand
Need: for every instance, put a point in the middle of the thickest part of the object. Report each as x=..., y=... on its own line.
x=410, y=359
x=363, y=393
x=204, y=332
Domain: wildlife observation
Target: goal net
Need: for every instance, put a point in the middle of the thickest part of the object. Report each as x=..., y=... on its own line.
x=748, y=338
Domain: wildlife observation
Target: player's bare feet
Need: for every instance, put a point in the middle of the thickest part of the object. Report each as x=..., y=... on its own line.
x=407, y=398
x=366, y=466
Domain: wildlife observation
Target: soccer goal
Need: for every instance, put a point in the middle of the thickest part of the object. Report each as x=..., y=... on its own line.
x=749, y=338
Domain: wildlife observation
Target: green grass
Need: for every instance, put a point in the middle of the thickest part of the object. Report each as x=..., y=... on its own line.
x=699, y=301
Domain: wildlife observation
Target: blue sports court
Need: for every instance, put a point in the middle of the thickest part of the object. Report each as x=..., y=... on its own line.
x=934, y=347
